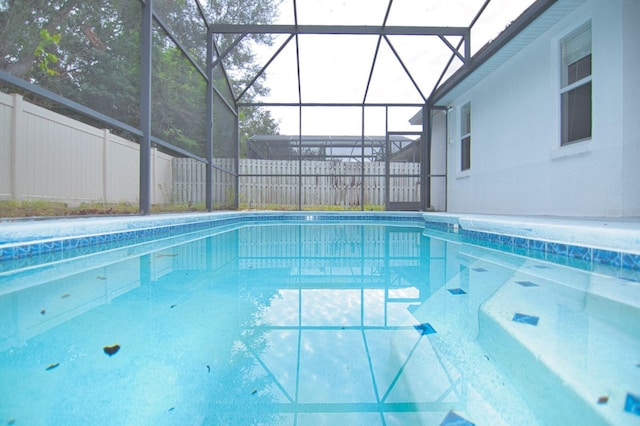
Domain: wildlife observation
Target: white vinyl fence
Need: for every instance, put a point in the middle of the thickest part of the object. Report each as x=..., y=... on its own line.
x=47, y=156
x=265, y=182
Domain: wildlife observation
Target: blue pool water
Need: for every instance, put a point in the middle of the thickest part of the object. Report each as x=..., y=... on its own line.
x=315, y=324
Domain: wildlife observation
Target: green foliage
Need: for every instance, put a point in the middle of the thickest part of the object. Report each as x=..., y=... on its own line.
x=89, y=52
x=43, y=57
x=255, y=121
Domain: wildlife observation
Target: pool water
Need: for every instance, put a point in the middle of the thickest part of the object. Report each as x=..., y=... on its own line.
x=305, y=324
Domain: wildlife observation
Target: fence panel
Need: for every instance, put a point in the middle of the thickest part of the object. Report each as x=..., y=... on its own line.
x=276, y=182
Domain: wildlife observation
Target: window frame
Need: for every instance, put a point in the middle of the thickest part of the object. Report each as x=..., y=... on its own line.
x=464, y=165
x=572, y=88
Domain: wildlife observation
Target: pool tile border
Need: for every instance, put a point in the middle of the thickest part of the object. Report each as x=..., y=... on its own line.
x=546, y=250
x=75, y=244
x=557, y=252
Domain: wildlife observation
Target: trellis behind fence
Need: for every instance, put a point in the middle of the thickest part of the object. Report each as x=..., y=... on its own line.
x=275, y=182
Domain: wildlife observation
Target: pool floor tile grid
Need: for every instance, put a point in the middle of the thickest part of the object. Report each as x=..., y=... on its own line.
x=374, y=381
x=353, y=373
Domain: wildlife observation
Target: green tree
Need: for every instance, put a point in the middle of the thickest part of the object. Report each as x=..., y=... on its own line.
x=90, y=52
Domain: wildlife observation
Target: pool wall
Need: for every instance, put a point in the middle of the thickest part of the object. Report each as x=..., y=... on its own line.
x=584, y=243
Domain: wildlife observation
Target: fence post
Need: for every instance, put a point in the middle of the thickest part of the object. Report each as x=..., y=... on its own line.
x=17, y=144
x=105, y=165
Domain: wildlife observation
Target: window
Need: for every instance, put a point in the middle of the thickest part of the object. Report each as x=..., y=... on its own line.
x=465, y=137
x=575, y=93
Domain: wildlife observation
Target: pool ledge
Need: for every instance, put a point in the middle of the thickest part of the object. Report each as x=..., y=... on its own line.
x=616, y=234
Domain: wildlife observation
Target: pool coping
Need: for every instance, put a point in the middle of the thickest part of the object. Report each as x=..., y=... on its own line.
x=609, y=241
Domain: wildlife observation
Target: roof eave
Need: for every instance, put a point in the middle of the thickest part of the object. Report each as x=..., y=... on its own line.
x=487, y=52
x=490, y=49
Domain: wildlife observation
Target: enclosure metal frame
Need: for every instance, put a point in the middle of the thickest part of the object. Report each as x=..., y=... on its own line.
x=149, y=17
x=382, y=32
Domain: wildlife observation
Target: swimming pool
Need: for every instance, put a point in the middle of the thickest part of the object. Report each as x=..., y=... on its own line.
x=314, y=318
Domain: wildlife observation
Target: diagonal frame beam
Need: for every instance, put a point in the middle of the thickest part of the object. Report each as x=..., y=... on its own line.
x=262, y=70
x=404, y=67
x=375, y=55
x=228, y=50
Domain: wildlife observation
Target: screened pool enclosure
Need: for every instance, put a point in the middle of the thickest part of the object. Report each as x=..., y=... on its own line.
x=227, y=104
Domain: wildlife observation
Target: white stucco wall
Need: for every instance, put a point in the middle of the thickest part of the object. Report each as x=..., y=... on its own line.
x=517, y=164
x=631, y=108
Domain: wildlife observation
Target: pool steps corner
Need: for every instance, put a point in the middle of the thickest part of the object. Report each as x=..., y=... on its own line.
x=574, y=361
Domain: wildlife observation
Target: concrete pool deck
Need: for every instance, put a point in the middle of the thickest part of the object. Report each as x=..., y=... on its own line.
x=607, y=233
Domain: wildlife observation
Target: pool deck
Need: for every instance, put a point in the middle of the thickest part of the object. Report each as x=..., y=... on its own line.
x=608, y=233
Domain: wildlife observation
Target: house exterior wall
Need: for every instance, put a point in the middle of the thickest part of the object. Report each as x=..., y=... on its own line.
x=517, y=164
x=631, y=108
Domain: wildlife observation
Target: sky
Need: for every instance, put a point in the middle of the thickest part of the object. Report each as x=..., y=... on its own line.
x=336, y=68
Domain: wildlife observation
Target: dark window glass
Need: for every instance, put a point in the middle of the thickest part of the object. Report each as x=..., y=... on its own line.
x=576, y=114
x=579, y=69
x=465, y=153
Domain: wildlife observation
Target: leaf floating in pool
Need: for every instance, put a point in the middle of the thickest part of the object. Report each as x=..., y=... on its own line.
x=255, y=391
x=100, y=277
x=603, y=399
x=111, y=350
x=208, y=369
x=64, y=296
x=42, y=312
x=52, y=366
x=172, y=306
x=171, y=409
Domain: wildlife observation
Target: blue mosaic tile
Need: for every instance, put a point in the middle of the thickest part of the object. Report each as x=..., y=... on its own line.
x=520, y=242
x=525, y=319
x=632, y=404
x=557, y=248
x=583, y=253
x=631, y=261
x=479, y=269
x=453, y=419
x=6, y=253
x=527, y=284
x=468, y=234
x=70, y=243
x=504, y=239
x=26, y=251
x=537, y=245
x=50, y=247
x=494, y=238
x=425, y=328
x=607, y=257
x=456, y=291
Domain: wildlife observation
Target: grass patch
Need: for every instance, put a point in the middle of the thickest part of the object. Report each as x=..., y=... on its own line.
x=39, y=208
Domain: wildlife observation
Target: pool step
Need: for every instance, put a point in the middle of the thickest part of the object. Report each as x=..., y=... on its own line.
x=448, y=358
x=573, y=348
